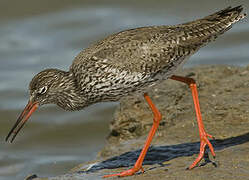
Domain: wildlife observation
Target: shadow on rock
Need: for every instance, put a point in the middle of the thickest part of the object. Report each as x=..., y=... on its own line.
x=160, y=154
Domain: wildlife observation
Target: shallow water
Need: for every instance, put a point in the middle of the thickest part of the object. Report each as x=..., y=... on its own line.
x=53, y=141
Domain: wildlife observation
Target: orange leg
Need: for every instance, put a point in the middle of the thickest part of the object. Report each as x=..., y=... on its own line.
x=138, y=165
x=203, y=135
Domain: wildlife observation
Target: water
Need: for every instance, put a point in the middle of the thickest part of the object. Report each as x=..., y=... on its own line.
x=53, y=141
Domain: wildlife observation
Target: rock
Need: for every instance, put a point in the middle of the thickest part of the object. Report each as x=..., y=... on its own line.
x=224, y=102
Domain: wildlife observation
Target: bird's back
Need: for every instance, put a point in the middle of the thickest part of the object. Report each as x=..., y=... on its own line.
x=143, y=55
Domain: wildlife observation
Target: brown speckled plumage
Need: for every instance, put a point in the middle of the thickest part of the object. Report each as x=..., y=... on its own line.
x=129, y=61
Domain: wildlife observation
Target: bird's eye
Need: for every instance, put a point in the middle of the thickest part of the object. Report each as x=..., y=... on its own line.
x=43, y=90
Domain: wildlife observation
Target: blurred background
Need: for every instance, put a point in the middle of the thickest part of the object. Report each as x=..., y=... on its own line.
x=40, y=34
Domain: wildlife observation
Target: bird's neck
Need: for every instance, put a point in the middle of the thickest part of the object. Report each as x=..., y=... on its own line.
x=70, y=97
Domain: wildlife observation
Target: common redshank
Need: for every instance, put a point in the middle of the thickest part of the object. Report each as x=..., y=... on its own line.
x=127, y=62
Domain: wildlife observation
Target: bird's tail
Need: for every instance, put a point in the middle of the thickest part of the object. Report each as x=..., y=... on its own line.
x=228, y=16
x=218, y=22
x=223, y=20
x=207, y=29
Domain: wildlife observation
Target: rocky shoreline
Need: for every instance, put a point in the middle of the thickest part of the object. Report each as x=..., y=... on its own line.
x=224, y=101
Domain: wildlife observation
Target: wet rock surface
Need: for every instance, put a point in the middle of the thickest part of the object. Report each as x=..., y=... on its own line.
x=224, y=102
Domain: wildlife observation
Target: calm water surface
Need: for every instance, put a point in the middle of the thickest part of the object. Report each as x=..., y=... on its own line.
x=53, y=141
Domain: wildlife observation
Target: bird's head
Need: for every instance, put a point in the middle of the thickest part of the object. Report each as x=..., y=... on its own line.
x=51, y=86
x=46, y=86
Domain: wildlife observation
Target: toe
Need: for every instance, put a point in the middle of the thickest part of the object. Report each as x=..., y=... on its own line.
x=128, y=172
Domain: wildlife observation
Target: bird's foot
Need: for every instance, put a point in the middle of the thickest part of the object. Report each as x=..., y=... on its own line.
x=204, y=142
x=128, y=172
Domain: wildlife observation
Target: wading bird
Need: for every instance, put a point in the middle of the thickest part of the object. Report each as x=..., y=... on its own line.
x=127, y=62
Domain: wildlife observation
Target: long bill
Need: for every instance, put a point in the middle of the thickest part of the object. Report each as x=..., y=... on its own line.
x=22, y=119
